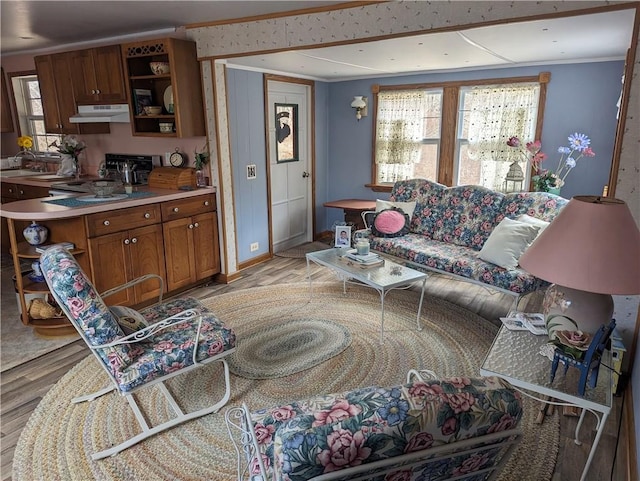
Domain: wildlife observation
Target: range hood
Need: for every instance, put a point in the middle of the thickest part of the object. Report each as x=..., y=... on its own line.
x=101, y=113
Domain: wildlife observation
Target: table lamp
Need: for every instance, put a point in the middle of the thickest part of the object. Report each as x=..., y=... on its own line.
x=590, y=251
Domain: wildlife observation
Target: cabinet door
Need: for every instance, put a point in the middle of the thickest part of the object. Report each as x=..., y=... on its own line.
x=205, y=245
x=109, y=256
x=97, y=75
x=107, y=64
x=6, y=120
x=179, y=253
x=64, y=92
x=47, y=82
x=146, y=257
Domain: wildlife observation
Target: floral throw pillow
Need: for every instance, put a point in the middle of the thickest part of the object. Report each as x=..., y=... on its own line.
x=391, y=222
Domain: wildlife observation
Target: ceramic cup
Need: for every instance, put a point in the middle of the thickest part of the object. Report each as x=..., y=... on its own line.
x=166, y=127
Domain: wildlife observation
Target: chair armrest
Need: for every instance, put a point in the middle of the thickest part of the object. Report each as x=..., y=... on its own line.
x=189, y=315
x=133, y=282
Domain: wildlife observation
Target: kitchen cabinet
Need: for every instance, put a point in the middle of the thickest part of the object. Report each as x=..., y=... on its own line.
x=57, y=94
x=179, y=91
x=6, y=120
x=97, y=75
x=125, y=244
x=190, y=230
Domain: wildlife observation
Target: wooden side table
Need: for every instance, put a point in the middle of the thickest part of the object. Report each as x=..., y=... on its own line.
x=353, y=209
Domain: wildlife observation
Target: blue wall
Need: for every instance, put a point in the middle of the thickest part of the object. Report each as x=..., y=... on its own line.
x=580, y=98
x=248, y=146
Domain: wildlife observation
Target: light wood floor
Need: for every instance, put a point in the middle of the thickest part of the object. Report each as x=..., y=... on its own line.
x=23, y=387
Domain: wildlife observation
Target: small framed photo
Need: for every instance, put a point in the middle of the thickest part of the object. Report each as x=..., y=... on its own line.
x=343, y=236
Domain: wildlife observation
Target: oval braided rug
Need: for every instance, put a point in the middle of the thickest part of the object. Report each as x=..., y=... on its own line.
x=59, y=437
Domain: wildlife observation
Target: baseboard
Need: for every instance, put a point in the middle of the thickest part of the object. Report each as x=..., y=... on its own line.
x=628, y=423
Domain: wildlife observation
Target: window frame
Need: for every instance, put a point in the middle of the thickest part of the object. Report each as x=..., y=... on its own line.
x=449, y=127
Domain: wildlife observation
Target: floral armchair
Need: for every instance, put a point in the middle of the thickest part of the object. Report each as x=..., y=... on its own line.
x=168, y=339
x=449, y=428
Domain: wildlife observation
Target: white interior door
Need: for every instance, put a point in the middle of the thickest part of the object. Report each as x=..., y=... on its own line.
x=290, y=180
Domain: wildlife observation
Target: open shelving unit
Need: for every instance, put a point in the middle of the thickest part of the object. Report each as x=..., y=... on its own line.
x=182, y=84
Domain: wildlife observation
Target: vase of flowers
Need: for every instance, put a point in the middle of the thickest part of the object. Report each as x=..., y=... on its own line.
x=201, y=159
x=70, y=148
x=545, y=180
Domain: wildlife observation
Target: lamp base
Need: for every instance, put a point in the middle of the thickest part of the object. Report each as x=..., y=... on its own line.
x=567, y=309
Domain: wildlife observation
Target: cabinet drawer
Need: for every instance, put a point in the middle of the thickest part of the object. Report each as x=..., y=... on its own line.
x=122, y=219
x=176, y=209
x=9, y=191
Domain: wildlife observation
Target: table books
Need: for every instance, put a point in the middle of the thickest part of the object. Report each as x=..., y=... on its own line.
x=364, y=259
x=525, y=321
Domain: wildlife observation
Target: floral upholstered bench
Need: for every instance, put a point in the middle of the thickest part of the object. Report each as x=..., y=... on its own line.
x=462, y=428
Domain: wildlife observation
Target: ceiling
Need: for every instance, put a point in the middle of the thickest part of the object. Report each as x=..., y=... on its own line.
x=586, y=38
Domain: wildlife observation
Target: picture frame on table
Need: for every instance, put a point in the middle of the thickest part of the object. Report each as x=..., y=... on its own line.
x=343, y=236
x=286, y=121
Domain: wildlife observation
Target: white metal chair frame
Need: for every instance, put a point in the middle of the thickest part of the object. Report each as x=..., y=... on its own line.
x=189, y=315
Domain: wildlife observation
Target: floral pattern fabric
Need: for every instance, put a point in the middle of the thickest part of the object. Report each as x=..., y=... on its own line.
x=450, y=226
x=133, y=364
x=327, y=433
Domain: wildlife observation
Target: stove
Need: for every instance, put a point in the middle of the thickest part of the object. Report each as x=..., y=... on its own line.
x=141, y=165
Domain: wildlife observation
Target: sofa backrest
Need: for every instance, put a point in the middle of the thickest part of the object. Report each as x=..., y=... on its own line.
x=466, y=215
x=542, y=205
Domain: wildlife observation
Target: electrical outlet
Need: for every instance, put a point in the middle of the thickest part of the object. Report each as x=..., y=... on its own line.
x=254, y=247
x=251, y=171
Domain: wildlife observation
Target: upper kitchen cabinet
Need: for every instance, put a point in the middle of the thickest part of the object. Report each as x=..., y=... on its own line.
x=58, y=101
x=97, y=75
x=174, y=86
x=6, y=121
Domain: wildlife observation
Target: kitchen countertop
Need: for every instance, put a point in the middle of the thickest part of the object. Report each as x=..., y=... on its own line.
x=39, y=179
x=38, y=209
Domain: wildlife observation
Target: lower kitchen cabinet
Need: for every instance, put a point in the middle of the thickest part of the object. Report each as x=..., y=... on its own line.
x=191, y=249
x=123, y=256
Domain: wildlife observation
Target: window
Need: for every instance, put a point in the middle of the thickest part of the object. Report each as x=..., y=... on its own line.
x=30, y=113
x=455, y=133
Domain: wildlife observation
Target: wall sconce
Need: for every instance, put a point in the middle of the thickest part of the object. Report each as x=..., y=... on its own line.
x=360, y=104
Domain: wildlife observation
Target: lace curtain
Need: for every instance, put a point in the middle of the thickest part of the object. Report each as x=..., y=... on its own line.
x=400, y=126
x=496, y=113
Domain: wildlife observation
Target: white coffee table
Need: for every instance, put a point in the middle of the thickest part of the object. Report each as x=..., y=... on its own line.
x=383, y=279
x=514, y=356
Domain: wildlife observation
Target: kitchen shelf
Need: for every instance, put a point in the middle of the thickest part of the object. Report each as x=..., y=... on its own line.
x=183, y=80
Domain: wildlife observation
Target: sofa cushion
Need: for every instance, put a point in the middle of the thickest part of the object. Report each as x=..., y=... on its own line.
x=391, y=222
x=177, y=344
x=507, y=242
x=459, y=260
x=466, y=215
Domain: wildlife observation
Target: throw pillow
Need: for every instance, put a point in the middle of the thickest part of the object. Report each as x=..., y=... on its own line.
x=539, y=223
x=129, y=319
x=391, y=222
x=407, y=207
x=507, y=242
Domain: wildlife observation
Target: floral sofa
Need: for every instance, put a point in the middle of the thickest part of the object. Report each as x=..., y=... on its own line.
x=462, y=428
x=450, y=226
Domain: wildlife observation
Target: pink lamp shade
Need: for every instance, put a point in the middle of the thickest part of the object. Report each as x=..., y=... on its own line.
x=592, y=247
